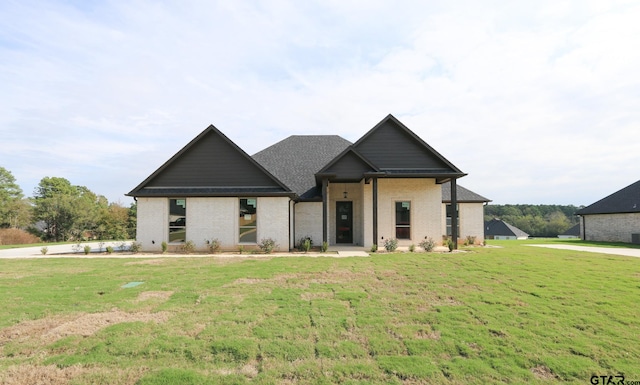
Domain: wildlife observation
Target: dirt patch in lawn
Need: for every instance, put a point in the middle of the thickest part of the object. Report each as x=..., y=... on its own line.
x=147, y=295
x=53, y=375
x=543, y=373
x=51, y=329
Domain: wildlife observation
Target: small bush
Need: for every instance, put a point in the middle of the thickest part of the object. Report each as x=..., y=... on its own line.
x=374, y=248
x=164, y=246
x=390, y=244
x=189, y=247
x=267, y=245
x=428, y=244
x=450, y=244
x=324, y=247
x=412, y=248
x=87, y=249
x=44, y=250
x=213, y=245
x=305, y=244
x=109, y=249
x=135, y=247
x=470, y=240
x=240, y=249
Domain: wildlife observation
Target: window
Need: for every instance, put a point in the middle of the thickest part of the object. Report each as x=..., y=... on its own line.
x=449, y=214
x=177, y=220
x=403, y=220
x=248, y=220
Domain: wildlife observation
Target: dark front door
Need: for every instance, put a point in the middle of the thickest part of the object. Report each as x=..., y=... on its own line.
x=344, y=222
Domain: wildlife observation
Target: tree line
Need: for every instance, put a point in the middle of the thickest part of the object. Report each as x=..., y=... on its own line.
x=59, y=211
x=535, y=220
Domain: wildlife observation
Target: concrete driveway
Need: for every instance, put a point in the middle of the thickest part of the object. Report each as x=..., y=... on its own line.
x=629, y=252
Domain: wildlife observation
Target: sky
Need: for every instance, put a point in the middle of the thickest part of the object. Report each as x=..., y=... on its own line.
x=537, y=101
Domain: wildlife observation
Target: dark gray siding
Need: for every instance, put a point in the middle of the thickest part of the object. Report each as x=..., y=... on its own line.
x=349, y=167
x=391, y=147
x=212, y=162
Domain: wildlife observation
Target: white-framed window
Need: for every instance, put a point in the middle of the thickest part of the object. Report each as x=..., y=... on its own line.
x=177, y=220
x=248, y=223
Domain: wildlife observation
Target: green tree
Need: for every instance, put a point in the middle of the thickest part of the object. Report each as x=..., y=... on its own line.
x=12, y=203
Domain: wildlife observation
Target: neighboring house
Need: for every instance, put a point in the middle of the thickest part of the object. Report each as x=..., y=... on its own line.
x=388, y=184
x=615, y=218
x=501, y=230
x=470, y=212
x=572, y=233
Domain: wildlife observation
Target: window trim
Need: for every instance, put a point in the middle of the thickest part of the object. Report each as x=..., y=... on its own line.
x=176, y=227
x=402, y=226
x=240, y=226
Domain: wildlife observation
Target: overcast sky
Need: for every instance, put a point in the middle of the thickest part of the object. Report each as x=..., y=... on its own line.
x=538, y=101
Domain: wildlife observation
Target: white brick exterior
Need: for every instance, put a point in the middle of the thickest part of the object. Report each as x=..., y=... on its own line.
x=153, y=223
x=308, y=221
x=610, y=227
x=426, y=209
x=209, y=218
x=471, y=220
x=273, y=221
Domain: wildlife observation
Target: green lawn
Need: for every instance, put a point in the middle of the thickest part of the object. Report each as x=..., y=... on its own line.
x=491, y=315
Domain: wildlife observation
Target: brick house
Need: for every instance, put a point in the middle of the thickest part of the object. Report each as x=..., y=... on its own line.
x=388, y=184
x=615, y=218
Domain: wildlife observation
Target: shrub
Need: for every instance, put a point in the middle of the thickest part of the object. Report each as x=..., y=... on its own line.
x=428, y=244
x=16, y=237
x=135, y=247
x=470, y=240
x=87, y=249
x=305, y=244
x=240, y=249
x=374, y=248
x=109, y=249
x=324, y=247
x=450, y=244
x=267, y=245
x=390, y=244
x=164, y=246
x=44, y=250
x=214, y=245
x=412, y=248
x=189, y=247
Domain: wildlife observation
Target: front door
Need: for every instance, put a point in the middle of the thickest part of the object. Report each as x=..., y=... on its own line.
x=344, y=222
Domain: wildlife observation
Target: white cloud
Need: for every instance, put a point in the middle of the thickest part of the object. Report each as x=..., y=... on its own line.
x=537, y=102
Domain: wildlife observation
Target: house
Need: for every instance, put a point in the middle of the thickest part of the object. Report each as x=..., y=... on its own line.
x=388, y=184
x=501, y=230
x=470, y=212
x=615, y=218
x=572, y=233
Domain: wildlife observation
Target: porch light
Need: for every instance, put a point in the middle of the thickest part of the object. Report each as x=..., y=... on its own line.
x=344, y=194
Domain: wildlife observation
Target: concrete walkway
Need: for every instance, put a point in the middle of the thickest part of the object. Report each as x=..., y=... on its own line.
x=72, y=251
x=592, y=249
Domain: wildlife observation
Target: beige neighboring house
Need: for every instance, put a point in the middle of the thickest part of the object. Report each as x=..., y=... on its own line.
x=388, y=184
x=615, y=218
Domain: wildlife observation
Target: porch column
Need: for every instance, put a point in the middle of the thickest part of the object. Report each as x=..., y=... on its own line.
x=454, y=212
x=375, y=211
x=325, y=182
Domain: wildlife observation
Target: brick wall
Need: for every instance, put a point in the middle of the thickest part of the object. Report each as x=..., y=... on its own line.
x=611, y=227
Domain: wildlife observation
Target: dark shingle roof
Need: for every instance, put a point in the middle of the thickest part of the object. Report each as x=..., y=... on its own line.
x=626, y=200
x=464, y=195
x=574, y=230
x=500, y=227
x=296, y=159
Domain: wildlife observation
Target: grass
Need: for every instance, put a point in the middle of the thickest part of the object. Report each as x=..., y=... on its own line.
x=492, y=315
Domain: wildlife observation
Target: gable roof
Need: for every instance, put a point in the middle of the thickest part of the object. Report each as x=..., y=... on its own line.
x=626, y=200
x=398, y=151
x=573, y=230
x=464, y=195
x=210, y=165
x=296, y=159
x=500, y=227
x=349, y=166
